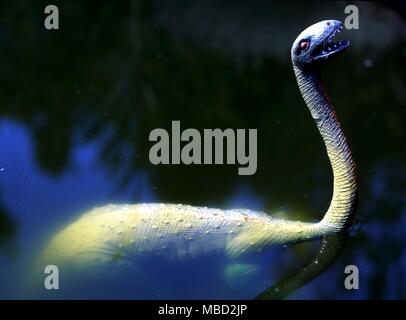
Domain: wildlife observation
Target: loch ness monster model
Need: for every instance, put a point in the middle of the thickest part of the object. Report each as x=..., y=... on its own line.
x=179, y=231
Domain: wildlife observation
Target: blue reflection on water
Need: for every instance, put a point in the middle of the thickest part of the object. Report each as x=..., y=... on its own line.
x=42, y=204
x=35, y=197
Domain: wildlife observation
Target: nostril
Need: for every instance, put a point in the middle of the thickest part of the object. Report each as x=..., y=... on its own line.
x=328, y=23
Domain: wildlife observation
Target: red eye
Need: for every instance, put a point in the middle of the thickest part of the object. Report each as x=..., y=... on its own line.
x=304, y=45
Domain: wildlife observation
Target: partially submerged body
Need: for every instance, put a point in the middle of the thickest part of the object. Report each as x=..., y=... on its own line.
x=166, y=250
x=174, y=231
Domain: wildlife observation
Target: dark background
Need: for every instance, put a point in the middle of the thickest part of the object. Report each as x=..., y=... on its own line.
x=77, y=106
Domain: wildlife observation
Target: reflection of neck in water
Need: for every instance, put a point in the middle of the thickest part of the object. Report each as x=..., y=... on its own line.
x=330, y=250
x=111, y=233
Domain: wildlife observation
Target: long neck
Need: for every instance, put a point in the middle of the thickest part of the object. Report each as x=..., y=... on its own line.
x=343, y=201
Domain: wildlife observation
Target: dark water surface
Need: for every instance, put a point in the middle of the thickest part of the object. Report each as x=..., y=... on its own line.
x=77, y=106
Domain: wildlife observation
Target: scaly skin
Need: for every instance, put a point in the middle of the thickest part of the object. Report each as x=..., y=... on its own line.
x=178, y=231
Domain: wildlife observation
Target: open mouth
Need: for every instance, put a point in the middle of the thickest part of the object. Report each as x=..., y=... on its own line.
x=329, y=48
